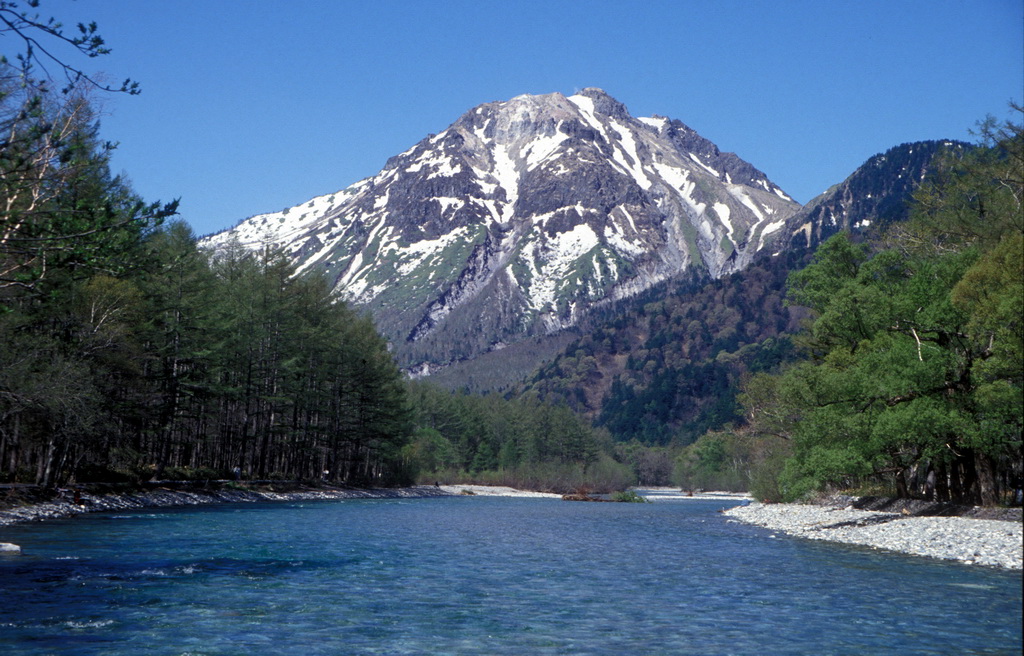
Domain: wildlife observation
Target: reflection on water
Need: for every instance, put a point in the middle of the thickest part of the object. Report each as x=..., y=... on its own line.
x=476, y=575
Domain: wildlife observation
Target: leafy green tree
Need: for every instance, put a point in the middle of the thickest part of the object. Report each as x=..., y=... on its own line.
x=915, y=376
x=973, y=200
x=47, y=400
x=70, y=233
x=723, y=460
x=178, y=337
x=901, y=387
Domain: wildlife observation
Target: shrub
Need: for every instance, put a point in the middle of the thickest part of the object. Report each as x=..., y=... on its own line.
x=629, y=496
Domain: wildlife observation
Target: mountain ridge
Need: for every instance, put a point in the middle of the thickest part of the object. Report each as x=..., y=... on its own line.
x=876, y=194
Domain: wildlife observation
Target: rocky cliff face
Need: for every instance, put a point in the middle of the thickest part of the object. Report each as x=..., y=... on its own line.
x=877, y=194
x=523, y=215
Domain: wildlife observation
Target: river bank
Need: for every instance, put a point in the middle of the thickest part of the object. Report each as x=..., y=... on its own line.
x=69, y=504
x=495, y=491
x=28, y=503
x=967, y=539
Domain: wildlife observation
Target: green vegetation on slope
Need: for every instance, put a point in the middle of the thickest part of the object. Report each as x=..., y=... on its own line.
x=914, y=362
x=666, y=367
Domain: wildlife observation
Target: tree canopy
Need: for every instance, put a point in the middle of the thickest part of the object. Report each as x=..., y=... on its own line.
x=125, y=352
x=914, y=374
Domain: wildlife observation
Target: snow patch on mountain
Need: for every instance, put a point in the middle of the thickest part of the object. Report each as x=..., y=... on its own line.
x=543, y=148
x=740, y=193
x=680, y=180
x=508, y=179
x=278, y=227
x=522, y=215
x=656, y=122
x=696, y=160
x=626, y=155
x=549, y=263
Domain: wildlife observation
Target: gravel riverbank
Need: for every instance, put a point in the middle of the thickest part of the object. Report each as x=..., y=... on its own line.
x=161, y=497
x=968, y=540
x=495, y=491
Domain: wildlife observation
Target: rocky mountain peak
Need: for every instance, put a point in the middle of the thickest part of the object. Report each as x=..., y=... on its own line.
x=603, y=103
x=521, y=217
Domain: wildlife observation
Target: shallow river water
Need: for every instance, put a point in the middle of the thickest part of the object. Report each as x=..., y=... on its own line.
x=481, y=575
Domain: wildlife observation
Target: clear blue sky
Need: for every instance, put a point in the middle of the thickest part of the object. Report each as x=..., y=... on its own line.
x=251, y=106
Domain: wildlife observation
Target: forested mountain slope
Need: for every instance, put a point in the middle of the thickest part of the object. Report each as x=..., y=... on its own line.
x=669, y=366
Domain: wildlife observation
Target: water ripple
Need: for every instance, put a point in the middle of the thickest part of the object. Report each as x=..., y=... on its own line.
x=481, y=576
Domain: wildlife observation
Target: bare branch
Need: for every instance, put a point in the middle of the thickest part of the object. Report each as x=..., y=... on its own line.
x=88, y=43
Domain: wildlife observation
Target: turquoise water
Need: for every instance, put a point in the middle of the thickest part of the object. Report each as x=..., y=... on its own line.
x=480, y=575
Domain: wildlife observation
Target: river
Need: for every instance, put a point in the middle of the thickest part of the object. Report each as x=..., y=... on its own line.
x=480, y=575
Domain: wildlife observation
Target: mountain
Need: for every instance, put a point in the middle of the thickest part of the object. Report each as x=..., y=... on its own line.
x=877, y=194
x=521, y=218
x=667, y=365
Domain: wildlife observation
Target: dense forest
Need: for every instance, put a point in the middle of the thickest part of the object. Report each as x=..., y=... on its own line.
x=127, y=354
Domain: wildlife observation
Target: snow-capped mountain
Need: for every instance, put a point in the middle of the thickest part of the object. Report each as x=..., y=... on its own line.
x=520, y=217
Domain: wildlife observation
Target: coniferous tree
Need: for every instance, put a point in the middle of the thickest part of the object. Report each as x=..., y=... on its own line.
x=916, y=371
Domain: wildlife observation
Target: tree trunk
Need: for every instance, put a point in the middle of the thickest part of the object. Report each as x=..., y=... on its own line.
x=13, y=446
x=988, y=492
x=941, y=483
x=969, y=481
x=44, y=473
x=901, y=484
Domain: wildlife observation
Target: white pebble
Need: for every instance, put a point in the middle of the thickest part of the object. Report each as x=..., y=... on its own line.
x=980, y=541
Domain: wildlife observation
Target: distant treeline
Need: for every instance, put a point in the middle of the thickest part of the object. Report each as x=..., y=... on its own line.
x=521, y=443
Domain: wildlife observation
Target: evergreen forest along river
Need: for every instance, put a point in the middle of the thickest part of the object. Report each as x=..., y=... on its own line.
x=480, y=575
